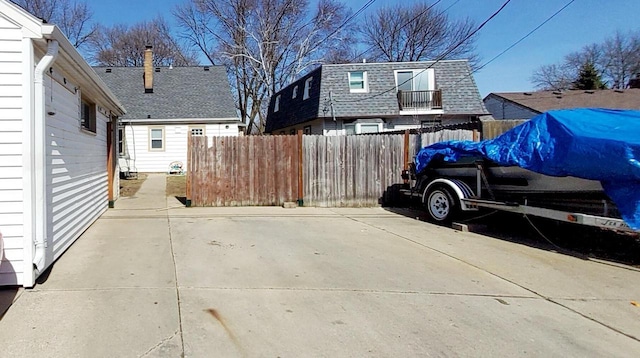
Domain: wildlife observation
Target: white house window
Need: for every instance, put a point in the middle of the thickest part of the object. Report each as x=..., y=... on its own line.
x=197, y=131
x=362, y=128
x=276, y=105
x=307, y=130
x=415, y=80
x=369, y=128
x=349, y=129
x=358, y=82
x=121, y=142
x=295, y=92
x=307, y=87
x=156, y=139
x=88, y=115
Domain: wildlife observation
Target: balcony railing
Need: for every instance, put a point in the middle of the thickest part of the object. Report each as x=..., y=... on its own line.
x=419, y=100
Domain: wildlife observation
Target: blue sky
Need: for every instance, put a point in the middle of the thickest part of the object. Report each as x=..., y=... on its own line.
x=583, y=22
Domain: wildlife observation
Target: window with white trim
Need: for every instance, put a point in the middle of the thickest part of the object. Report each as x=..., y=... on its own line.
x=358, y=82
x=362, y=128
x=276, y=105
x=156, y=139
x=307, y=87
x=415, y=80
x=121, y=143
x=295, y=92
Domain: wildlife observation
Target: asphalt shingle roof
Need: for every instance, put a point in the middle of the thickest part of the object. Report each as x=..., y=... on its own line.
x=543, y=101
x=460, y=95
x=178, y=93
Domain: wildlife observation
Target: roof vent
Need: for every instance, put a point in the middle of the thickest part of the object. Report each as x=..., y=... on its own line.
x=590, y=91
x=618, y=91
x=557, y=92
x=206, y=68
x=527, y=93
x=157, y=69
x=108, y=70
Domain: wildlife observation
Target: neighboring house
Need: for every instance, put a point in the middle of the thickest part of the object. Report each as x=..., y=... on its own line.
x=163, y=105
x=376, y=97
x=58, y=125
x=526, y=105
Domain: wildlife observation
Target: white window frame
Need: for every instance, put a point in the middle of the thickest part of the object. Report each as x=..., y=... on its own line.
x=431, y=79
x=295, y=92
x=122, y=144
x=358, y=127
x=307, y=88
x=365, y=82
x=151, y=139
x=276, y=105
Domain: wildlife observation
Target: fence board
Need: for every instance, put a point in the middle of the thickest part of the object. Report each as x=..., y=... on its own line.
x=341, y=171
x=492, y=129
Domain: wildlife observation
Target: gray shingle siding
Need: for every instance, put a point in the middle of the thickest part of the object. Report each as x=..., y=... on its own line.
x=460, y=95
x=178, y=93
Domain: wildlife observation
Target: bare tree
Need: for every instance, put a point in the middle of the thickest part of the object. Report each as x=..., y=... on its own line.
x=616, y=61
x=73, y=18
x=415, y=32
x=123, y=45
x=265, y=44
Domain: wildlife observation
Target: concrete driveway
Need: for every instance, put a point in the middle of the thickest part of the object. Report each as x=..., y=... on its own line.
x=151, y=278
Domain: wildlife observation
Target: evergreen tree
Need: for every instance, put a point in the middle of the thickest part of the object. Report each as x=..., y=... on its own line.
x=588, y=78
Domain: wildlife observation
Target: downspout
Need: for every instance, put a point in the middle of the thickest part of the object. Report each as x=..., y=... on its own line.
x=40, y=152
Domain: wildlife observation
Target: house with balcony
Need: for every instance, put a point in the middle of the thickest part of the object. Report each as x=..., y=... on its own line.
x=360, y=98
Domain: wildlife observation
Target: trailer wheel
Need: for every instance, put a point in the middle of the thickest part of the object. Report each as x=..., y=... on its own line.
x=440, y=204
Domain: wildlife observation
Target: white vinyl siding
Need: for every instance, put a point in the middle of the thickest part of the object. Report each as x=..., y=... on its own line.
x=11, y=160
x=76, y=175
x=175, y=144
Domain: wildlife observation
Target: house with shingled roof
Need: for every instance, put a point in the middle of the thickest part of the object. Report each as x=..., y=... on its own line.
x=165, y=105
x=526, y=105
x=356, y=98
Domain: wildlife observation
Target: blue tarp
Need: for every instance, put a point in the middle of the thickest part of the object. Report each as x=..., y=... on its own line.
x=596, y=144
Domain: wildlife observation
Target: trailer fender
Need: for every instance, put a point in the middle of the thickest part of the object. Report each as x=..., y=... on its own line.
x=460, y=188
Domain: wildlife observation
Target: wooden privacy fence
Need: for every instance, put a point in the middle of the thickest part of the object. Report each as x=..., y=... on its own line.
x=492, y=129
x=326, y=171
x=242, y=171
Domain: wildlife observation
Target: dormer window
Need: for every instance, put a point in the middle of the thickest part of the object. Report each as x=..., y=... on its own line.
x=307, y=87
x=276, y=105
x=358, y=82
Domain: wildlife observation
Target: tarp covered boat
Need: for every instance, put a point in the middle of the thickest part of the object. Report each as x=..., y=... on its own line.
x=595, y=144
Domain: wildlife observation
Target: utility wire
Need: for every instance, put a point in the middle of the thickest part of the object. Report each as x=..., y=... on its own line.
x=337, y=29
x=439, y=58
x=515, y=43
x=357, y=57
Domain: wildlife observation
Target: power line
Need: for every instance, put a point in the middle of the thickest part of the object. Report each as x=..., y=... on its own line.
x=439, y=58
x=357, y=57
x=515, y=43
x=337, y=29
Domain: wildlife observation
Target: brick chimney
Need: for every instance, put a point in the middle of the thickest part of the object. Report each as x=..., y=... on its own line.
x=148, y=70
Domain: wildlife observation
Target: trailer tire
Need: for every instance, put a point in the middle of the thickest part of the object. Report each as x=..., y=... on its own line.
x=441, y=204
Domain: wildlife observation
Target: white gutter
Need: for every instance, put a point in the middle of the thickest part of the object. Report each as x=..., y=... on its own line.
x=39, y=149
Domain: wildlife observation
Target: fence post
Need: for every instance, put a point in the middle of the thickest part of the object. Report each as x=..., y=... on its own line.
x=406, y=149
x=189, y=170
x=476, y=135
x=300, y=170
